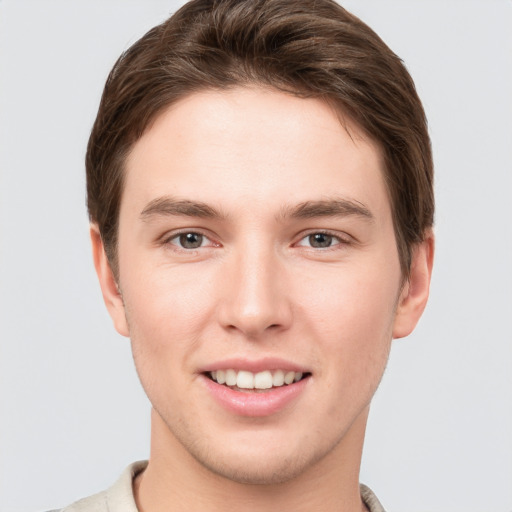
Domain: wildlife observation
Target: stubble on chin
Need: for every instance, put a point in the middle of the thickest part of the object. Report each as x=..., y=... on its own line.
x=269, y=469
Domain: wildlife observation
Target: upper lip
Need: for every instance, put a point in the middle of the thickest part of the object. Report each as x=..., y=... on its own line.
x=254, y=365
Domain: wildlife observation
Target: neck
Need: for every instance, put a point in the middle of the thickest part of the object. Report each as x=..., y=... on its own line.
x=174, y=480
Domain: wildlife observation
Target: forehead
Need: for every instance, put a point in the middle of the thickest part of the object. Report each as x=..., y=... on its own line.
x=253, y=145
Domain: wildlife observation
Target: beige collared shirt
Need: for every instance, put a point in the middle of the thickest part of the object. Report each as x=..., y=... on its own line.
x=119, y=497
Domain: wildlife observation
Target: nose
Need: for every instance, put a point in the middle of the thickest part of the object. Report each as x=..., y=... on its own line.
x=255, y=296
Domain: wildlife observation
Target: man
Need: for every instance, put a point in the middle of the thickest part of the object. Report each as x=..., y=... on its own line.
x=259, y=182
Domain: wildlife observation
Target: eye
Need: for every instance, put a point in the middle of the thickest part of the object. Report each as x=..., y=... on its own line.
x=189, y=240
x=320, y=240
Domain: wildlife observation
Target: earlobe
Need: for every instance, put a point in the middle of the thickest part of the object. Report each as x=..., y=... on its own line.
x=414, y=295
x=109, y=288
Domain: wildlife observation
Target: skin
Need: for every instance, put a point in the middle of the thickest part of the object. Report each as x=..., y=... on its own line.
x=258, y=286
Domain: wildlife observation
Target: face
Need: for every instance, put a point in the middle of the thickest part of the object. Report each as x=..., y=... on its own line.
x=260, y=280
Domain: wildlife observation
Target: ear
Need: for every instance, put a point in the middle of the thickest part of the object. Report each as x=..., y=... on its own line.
x=109, y=288
x=414, y=295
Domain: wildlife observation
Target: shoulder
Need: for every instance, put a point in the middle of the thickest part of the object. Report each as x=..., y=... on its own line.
x=370, y=500
x=118, y=498
x=95, y=503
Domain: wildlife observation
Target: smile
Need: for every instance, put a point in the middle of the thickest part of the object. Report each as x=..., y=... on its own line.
x=244, y=379
x=257, y=394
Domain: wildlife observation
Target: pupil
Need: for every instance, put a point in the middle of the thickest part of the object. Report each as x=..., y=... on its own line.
x=191, y=240
x=320, y=240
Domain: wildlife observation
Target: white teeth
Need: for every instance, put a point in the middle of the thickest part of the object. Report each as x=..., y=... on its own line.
x=230, y=378
x=245, y=380
x=278, y=378
x=289, y=377
x=261, y=380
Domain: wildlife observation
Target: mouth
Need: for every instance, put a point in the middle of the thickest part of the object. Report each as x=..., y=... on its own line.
x=257, y=388
x=246, y=381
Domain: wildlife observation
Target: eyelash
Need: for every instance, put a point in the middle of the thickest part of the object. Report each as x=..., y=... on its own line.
x=340, y=240
x=176, y=236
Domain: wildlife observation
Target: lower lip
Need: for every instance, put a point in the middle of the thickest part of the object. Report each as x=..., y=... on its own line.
x=255, y=403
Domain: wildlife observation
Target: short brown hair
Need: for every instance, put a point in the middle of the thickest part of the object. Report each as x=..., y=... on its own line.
x=309, y=48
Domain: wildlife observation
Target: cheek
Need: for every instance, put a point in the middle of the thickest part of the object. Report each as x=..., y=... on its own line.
x=352, y=303
x=351, y=319
x=165, y=323
x=166, y=311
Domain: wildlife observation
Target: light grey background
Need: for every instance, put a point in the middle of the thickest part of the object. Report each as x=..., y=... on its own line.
x=72, y=412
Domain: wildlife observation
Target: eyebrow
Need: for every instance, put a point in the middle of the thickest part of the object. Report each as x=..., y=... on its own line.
x=328, y=208
x=166, y=205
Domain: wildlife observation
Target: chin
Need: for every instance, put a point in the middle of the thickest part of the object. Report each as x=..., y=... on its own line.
x=257, y=459
x=251, y=471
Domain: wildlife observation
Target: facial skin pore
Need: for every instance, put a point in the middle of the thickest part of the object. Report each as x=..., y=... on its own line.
x=255, y=231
